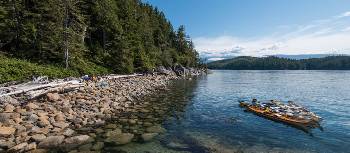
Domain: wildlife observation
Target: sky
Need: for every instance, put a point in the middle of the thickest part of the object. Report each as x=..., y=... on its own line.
x=224, y=28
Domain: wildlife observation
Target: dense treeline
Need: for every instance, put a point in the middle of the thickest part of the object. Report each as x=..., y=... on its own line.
x=275, y=63
x=98, y=36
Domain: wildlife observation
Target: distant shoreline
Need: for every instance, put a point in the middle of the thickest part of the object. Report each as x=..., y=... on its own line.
x=277, y=63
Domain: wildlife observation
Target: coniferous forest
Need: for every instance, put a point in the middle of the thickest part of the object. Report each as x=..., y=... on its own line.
x=92, y=36
x=276, y=63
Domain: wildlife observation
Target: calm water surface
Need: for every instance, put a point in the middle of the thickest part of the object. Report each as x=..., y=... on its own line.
x=212, y=121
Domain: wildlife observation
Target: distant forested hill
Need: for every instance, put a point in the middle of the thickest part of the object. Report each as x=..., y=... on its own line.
x=99, y=36
x=275, y=63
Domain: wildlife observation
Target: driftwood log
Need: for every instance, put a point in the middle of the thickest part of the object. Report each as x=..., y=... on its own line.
x=33, y=90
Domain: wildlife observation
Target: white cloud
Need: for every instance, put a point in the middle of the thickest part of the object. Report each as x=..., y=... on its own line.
x=215, y=59
x=345, y=14
x=318, y=37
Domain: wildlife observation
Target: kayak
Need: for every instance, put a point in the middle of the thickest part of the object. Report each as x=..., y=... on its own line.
x=303, y=124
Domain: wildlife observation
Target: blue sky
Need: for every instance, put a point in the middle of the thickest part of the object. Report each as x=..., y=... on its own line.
x=262, y=27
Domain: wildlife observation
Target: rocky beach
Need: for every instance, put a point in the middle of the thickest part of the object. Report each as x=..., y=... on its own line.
x=70, y=120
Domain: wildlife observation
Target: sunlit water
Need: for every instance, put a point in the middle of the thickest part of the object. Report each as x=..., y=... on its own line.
x=204, y=115
x=327, y=93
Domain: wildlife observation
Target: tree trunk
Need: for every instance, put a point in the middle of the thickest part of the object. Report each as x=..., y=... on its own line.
x=66, y=51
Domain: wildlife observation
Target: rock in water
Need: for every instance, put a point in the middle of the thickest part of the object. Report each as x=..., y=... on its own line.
x=53, y=96
x=6, y=131
x=97, y=146
x=51, y=141
x=148, y=136
x=113, y=133
x=120, y=139
x=156, y=129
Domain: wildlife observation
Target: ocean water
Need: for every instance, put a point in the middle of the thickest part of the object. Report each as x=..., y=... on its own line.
x=203, y=114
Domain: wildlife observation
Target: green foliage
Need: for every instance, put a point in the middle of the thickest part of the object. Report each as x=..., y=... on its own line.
x=275, y=63
x=104, y=36
x=14, y=69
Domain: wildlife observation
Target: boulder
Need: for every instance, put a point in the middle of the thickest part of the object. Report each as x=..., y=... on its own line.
x=38, y=137
x=18, y=148
x=61, y=125
x=31, y=106
x=7, y=131
x=68, y=132
x=53, y=96
x=51, y=141
x=163, y=70
x=33, y=118
x=6, y=144
x=9, y=108
x=180, y=70
x=60, y=117
x=81, y=139
x=30, y=146
x=37, y=130
x=120, y=139
x=113, y=133
x=8, y=100
x=43, y=121
x=97, y=146
x=148, y=136
x=155, y=129
x=4, y=117
x=111, y=126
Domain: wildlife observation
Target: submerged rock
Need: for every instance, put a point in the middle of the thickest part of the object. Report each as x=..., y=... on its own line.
x=97, y=146
x=120, y=139
x=148, y=136
x=156, y=129
x=113, y=133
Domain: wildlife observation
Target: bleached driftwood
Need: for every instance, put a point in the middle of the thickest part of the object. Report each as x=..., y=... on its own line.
x=34, y=89
x=37, y=93
x=113, y=76
x=37, y=88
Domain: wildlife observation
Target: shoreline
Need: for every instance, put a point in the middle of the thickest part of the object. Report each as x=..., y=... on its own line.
x=50, y=120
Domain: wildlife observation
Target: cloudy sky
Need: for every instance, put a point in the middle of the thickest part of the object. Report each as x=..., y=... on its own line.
x=226, y=28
